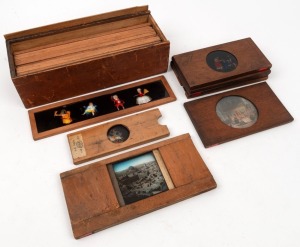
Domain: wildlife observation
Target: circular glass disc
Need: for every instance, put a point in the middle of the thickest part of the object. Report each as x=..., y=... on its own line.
x=237, y=112
x=118, y=134
x=221, y=61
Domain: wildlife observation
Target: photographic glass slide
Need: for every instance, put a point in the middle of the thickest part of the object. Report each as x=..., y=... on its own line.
x=221, y=61
x=139, y=177
x=236, y=112
x=118, y=134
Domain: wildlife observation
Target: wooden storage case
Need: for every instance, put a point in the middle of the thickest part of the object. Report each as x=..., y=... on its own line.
x=71, y=58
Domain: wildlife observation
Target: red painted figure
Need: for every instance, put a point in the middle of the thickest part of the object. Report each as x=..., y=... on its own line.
x=118, y=102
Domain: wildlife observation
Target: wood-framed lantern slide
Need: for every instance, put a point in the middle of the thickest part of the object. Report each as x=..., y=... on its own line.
x=126, y=186
x=115, y=136
x=78, y=112
x=220, y=67
x=237, y=113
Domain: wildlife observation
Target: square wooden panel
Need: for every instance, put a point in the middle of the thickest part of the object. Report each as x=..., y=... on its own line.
x=84, y=187
x=95, y=202
x=213, y=131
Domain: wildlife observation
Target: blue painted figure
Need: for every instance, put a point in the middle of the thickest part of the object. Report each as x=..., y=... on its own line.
x=91, y=109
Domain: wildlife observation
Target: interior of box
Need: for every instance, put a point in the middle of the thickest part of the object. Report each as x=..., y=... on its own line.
x=94, y=40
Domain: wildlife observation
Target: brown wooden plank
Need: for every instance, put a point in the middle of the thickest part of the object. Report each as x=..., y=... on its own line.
x=78, y=22
x=64, y=37
x=142, y=127
x=84, y=196
x=183, y=162
x=123, y=214
x=97, y=34
x=85, y=55
x=83, y=45
x=85, y=223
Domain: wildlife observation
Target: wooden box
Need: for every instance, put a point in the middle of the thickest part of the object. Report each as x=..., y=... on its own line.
x=220, y=67
x=71, y=58
x=117, y=189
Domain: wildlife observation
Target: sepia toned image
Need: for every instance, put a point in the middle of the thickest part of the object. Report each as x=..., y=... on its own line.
x=139, y=177
x=236, y=112
x=118, y=133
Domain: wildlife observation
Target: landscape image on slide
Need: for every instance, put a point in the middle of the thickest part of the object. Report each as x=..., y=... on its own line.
x=139, y=178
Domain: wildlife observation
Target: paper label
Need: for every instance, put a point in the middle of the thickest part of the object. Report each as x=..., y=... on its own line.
x=77, y=146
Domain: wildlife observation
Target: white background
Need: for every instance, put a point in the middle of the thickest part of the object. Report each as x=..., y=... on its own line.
x=257, y=201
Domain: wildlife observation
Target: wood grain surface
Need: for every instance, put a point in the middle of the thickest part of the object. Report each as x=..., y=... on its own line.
x=143, y=127
x=187, y=171
x=212, y=131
